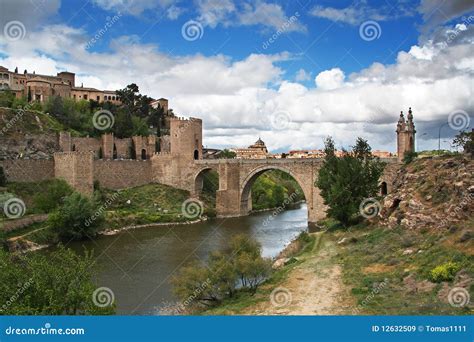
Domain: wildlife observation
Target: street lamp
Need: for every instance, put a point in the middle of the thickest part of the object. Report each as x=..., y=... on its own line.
x=439, y=136
x=419, y=139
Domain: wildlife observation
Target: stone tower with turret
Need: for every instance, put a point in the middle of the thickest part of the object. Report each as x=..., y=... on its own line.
x=405, y=135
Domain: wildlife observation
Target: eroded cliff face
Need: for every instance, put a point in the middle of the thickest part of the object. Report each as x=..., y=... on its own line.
x=433, y=193
x=27, y=135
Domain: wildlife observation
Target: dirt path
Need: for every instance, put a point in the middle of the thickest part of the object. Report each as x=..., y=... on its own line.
x=313, y=287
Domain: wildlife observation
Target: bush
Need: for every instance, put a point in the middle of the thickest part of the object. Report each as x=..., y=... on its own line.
x=240, y=267
x=57, y=283
x=408, y=157
x=3, y=177
x=77, y=218
x=444, y=272
x=52, y=196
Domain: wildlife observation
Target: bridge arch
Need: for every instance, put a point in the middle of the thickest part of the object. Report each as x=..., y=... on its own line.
x=198, y=179
x=247, y=182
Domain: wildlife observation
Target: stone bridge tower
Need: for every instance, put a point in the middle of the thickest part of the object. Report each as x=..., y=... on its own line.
x=405, y=135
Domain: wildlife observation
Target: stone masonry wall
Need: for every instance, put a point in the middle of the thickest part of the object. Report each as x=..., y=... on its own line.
x=28, y=170
x=77, y=169
x=120, y=174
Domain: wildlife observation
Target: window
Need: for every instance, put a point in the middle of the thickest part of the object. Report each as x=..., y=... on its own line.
x=85, y=96
x=196, y=154
x=98, y=98
x=143, y=154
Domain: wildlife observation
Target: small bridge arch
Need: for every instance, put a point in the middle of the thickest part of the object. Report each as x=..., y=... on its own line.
x=247, y=182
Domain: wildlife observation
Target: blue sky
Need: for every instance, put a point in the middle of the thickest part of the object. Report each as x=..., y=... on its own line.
x=291, y=72
x=339, y=46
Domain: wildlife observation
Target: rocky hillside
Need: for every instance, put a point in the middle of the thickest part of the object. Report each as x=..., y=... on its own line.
x=435, y=192
x=27, y=134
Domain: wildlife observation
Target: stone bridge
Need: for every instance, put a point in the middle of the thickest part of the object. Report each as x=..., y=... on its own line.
x=236, y=177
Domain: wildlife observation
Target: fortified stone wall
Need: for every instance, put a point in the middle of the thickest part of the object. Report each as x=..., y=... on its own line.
x=109, y=147
x=120, y=174
x=77, y=169
x=28, y=170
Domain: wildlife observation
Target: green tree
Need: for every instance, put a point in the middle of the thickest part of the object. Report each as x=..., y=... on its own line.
x=56, y=283
x=227, y=154
x=6, y=98
x=78, y=217
x=345, y=182
x=240, y=267
x=52, y=196
x=465, y=140
x=3, y=177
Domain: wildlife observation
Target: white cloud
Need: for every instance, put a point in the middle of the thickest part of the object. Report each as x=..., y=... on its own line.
x=237, y=98
x=360, y=11
x=228, y=13
x=330, y=79
x=302, y=75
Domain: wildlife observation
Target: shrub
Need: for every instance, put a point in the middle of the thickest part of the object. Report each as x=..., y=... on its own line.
x=444, y=272
x=3, y=177
x=77, y=218
x=240, y=267
x=408, y=157
x=56, y=283
x=52, y=196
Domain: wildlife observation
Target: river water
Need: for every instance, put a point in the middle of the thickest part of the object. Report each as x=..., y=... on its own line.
x=138, y=264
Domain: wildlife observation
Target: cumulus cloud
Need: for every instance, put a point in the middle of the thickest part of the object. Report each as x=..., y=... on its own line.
x=238, y=99
x=330, y=79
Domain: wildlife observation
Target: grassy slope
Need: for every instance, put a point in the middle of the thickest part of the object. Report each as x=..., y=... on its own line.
x=33, y=122
x=377, y=255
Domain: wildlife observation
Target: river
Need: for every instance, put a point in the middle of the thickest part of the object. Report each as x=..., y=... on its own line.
x=138, y=264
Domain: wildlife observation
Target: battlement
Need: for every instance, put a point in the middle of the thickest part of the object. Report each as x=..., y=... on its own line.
x=190, y=119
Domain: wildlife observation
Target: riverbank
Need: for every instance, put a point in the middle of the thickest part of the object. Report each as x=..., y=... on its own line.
x=367, y=270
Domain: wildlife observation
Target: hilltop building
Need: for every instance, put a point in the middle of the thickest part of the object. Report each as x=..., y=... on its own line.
x=36, y=87
x=258, y=150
